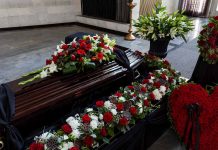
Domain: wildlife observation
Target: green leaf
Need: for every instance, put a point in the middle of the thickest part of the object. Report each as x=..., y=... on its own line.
x=69, y=68
x=106, y=140
x=111, y=132
x=90, y=65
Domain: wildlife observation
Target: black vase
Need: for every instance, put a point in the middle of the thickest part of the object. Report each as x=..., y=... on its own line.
x=204, y=73
x=159, y=47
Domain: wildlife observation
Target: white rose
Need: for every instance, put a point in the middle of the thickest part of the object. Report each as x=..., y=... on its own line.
x=94, y=124
x=114, y=111
x=93, y=117
x=76, y=133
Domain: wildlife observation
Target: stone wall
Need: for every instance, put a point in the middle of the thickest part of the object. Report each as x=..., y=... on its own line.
x=16, y=13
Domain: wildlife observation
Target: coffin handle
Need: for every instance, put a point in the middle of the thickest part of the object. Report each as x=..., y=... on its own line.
x=137, y=74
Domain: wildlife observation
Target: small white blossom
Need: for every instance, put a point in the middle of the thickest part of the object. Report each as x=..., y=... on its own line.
x=163, y=89
x=74, y=123
x=66, y=146
x=94, y=117
x=45, y=136
x=52, y=67
x=76, y=133
x=114, y=111
x=122, y=99
x=94, y=124
x=100, y=116
x=107, y=104
x=89, y=109
x=157, y=94
x=44, y=73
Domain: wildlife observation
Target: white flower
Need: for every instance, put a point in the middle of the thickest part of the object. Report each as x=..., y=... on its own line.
x=163, y=89
x=52, y=67
x=76, y=133
x=150, y=81
x=65, y=137
x=121, y=99
x=94, y=124
x=114, y=111
x=66, y=146
x=139, y=104
x=93, y=117
x=74, y=123
x=157, y=94
x=89, y=109
x=100, y=116
x=55, y=53
x=107, y=104
x=93, y=135
x=44, y=73
x=140, y=110
x=45, y=136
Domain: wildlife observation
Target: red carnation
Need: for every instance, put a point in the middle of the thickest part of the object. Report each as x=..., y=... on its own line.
x=211, y=25
x=143, y=89
x=131, y=87
x=133, y=111
x=36, y=146
x=100, y=56
x=74, y=148
x=73, y=57
x=157, y=84
x=118, y=94
x=64, y=46
x=152, y=96
x=66, y=128
x=146, y=103
x=81, y=52
x=108, y=117
x=73, y=45
x=123, y=121
x=86, y=118
x=145, y=81
x=103, y=132
x=48, y=61
x=119, y=106
x=216, y=17
x=99, y=103
x=88, y=141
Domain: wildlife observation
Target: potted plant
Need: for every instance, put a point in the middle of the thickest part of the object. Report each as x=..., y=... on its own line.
x=206, y=69
x=160, y=27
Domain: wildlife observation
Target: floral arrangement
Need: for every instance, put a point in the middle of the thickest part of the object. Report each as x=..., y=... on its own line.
x=161, y=25
x=194, y=116
x=122, y=110
x=77, y=56
x=208, y=41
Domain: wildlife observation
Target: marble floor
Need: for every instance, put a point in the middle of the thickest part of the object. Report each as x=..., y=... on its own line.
x=25, y=50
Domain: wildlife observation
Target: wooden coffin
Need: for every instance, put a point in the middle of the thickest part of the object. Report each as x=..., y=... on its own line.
x=40, y=104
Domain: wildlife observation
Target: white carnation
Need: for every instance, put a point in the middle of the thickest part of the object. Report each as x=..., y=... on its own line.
x=74, y=123
x=94, y=124
x=163, y=89
x=157, y=94
x=93, y=117
x=122, y=99
x=66, y=146
x=114, y=111
x=107, y=104
x=76, y=133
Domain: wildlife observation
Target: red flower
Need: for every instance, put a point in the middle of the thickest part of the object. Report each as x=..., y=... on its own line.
x=66, y=128
x=48, y=61
x=108, y=117
x=133, y=95
x=103, y=132
x=123, y=121
x=54, y=58
x=119, y=106
x=83, y=45
x=101, y=44
x=157, y=84
x=86, y=118
x=171, y=80
x=145, y=81
x=74, y=45
x=99, y=103
x=131, y=87
x=212, y=40
x=73, y=57
x=163, y=76
x=88, y=46
x=88, y=141
x=212, y=56
x=203, y=31
x=152, y=96
x=74, y=148
x=64, y=46
x=118, y=94
x=211, y=25
x=133, y=111
x=36, y=146
x=100, y=56
x=216, y=17
x=80, y=59
x=61, y=54
x=146, y=103
x=215, y=32
x=81, y=52
x=201, y=43
x=166, y=62
x=143, y=89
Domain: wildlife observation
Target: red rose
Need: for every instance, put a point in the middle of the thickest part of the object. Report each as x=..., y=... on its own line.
x=54, y=58
x=88, y=46
x=100, y=56
x=216, y=17
x=99, y=103
x=108, y=117
x=213, y=56
x=83, y=45
x=81, y=41
x=64, y=46
x=133, y=111
x=163, y=76
x=212, y=40
x=103, y=132
x=61, y=54
x=48, y=61
x=143, y=89
x=201, y=43
x=81, y=52
x=166, y=62
x=66, y=128
x=146, y=103
x=36, y=146
x=145, y=81
x=152, y=96
x=86, y=118
x=118, y=94
x=131, y=87
x=73, y=45
x=123, y=121
x=73, y=57
x=101, y=44
x=119, y=106
x=88, y=141
x=171, y=80
x=80, y=59
x=95, y=37
x=74, y=148
x=211, y=25
x=133, y=95
x=157, y=84
x=203, y=31
x=215, y=32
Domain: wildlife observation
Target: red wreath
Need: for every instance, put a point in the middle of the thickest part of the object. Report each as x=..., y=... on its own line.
x=194, y=115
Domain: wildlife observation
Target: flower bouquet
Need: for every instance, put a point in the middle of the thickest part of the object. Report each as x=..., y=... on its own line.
x=77, y=56
x=208, y=41
x=160, y=28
